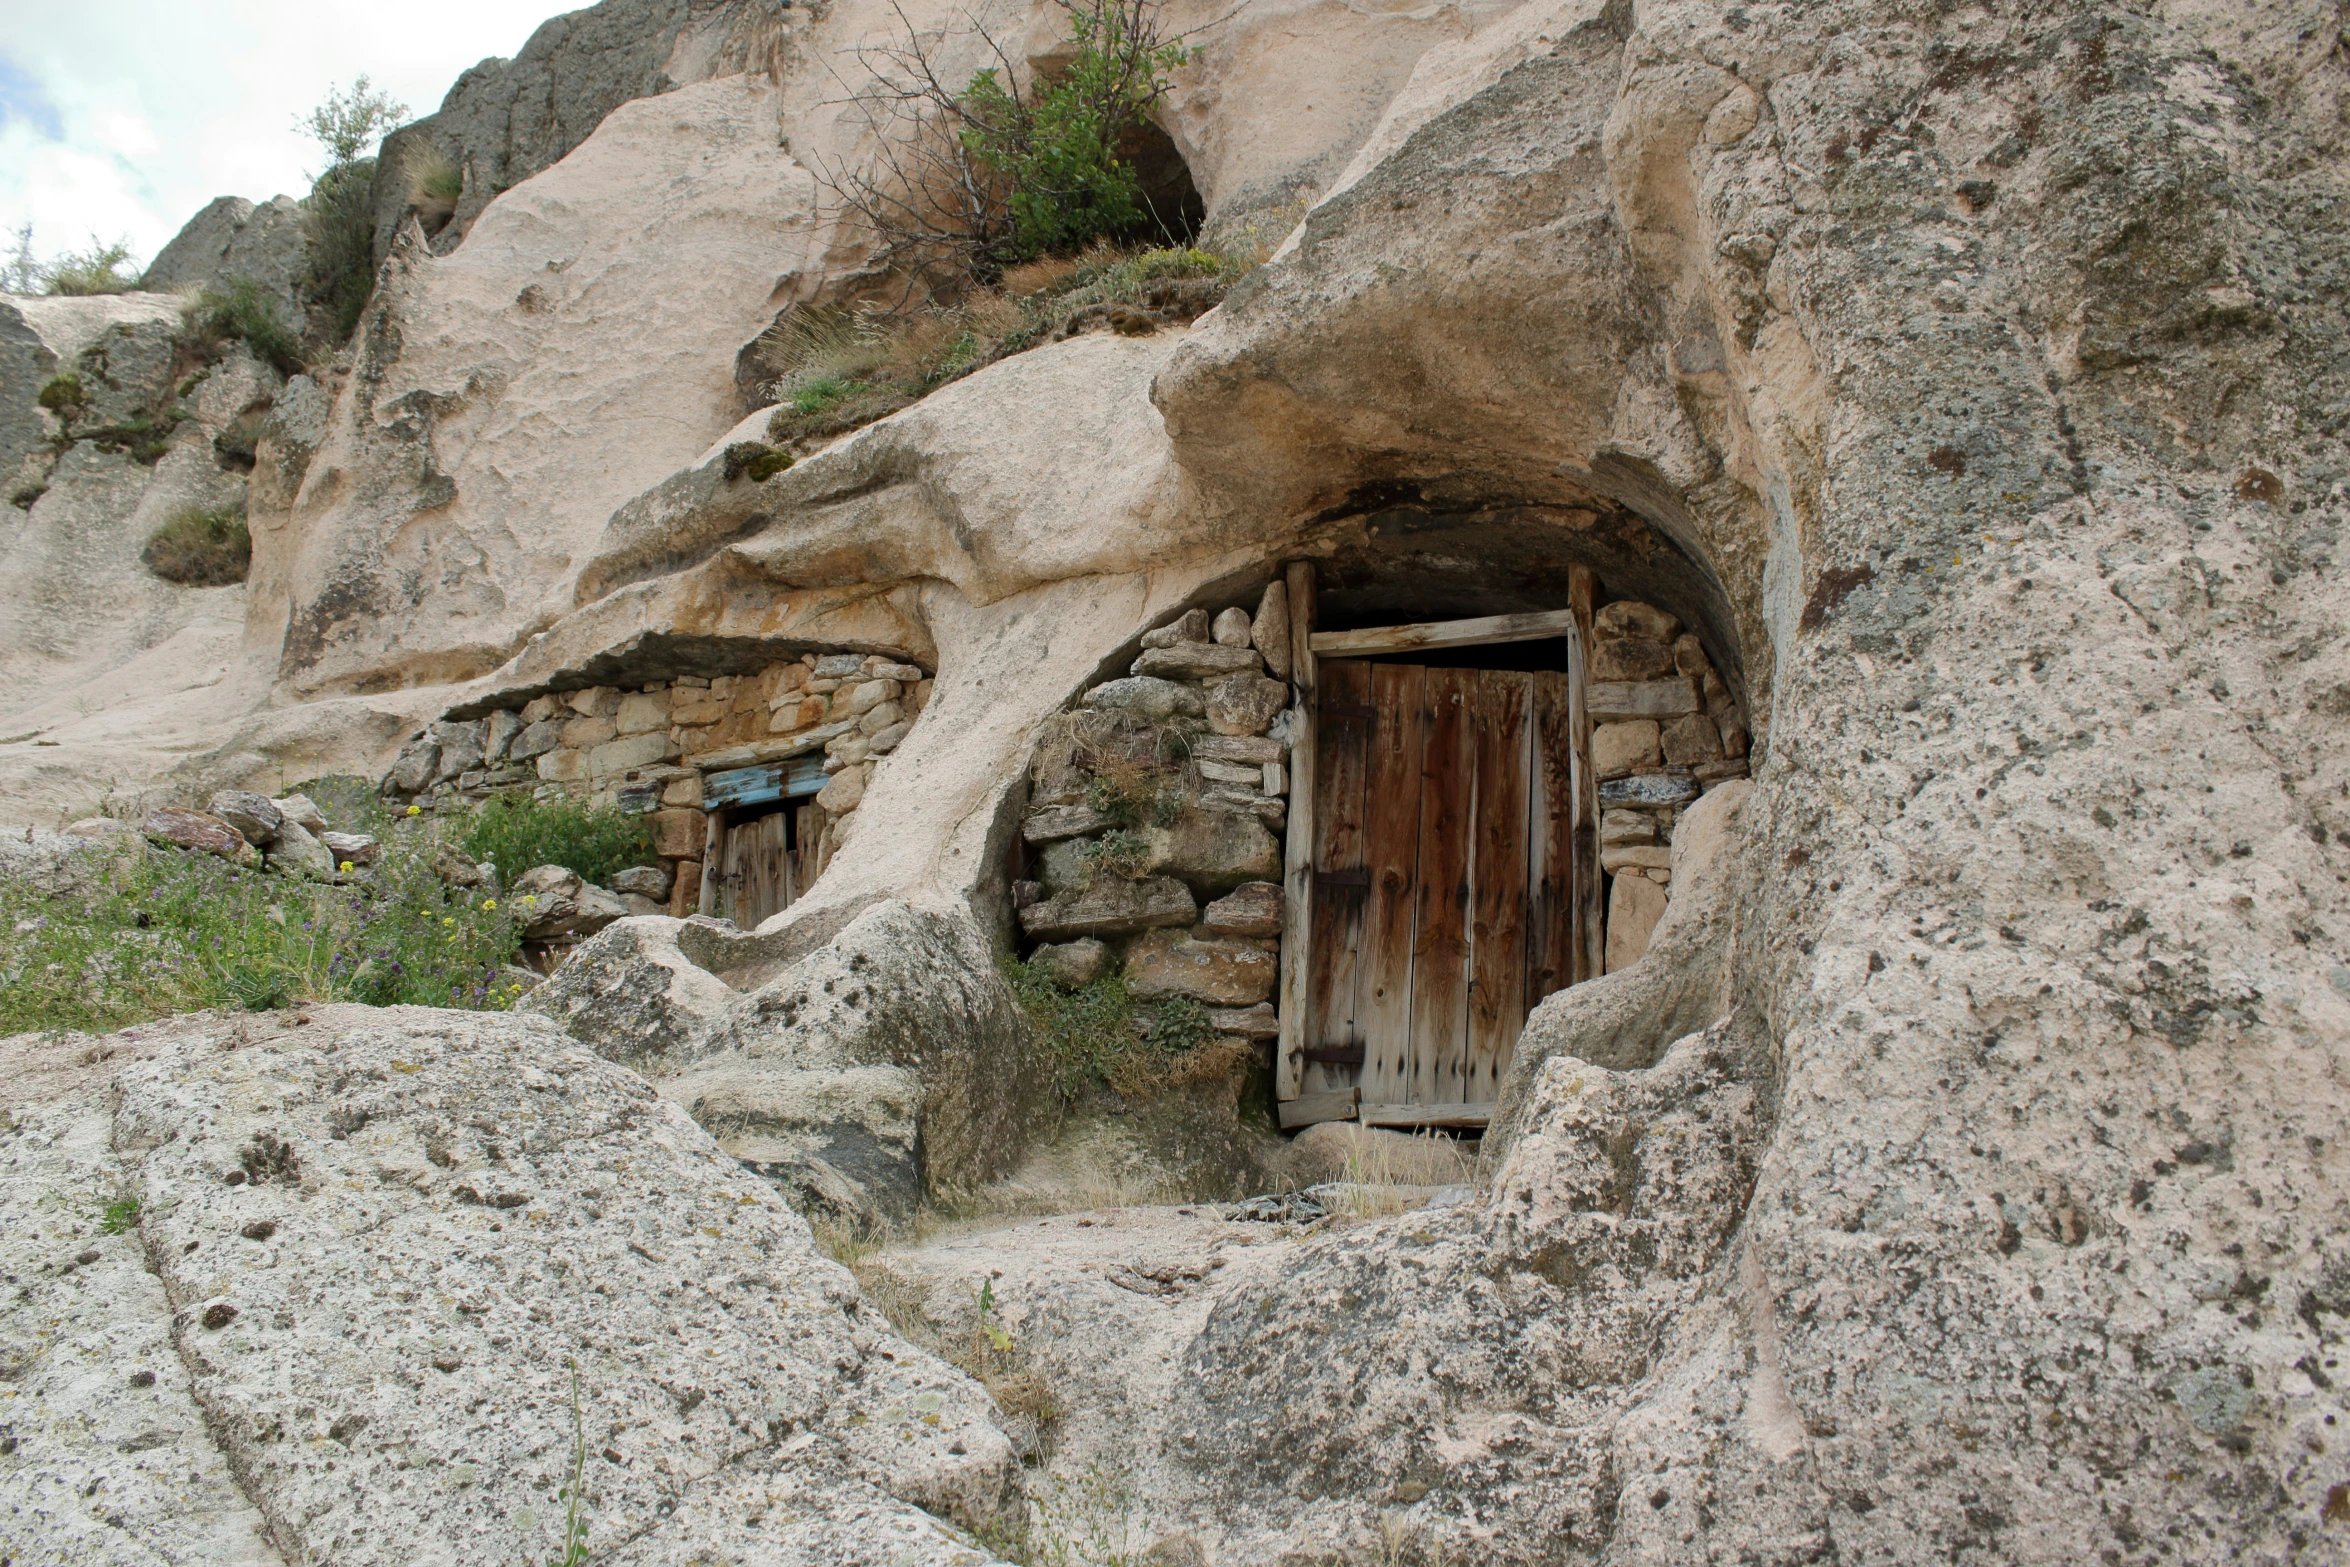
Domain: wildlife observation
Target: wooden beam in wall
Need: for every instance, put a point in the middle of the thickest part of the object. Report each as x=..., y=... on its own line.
x=1297, y=878
x=1589, y=921
x=713, y=845
x=1338, y=1104
x=1456, y=1115
x=1484, y=630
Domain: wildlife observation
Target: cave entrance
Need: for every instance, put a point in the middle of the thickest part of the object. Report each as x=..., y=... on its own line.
x=1443, y=856
x=1172, y=206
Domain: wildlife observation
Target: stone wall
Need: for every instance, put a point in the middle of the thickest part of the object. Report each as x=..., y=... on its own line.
x=647, y=749
x=1665, y=730
x=1154, y=822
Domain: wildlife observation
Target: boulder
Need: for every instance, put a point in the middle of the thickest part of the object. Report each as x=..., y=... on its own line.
x=298, y=809
x=417, y=765
x=1251, y=909
x=1190, y=626
x=1245, y=704
x=630, y=995
x=1148, y=697
x=296, y=848
x=354, y=849
x=1232, y=629
x=554, y=902
x=1110, y=906
x=234, y=238
x=198, y=831
x=253, y=815
x=1217, y=970
x=843, y=1145
x=1198, y=661
x=649, y=881
x=1070, y=964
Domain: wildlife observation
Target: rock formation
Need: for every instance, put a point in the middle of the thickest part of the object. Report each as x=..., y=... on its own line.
x=1955, y=1173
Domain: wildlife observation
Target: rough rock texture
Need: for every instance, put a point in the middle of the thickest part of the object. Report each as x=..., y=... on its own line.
x=235, y=238
x=526, y=1209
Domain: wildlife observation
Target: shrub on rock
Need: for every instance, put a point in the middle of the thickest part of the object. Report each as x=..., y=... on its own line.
x=201, y=549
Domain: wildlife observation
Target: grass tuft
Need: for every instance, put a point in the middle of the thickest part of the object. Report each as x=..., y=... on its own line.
x=62, y=392
x=240, y=312
x=201, y=549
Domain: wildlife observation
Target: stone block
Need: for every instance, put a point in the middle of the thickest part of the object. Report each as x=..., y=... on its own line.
x=1066, y=866
x=537, y=740
x=1214, y=851
x=891, y=738
x=863, y=697
x=615, y=757
x=1245, y=704
x=541, y=708
x=498, y=732
x=1610, y=700
x=685, y=889
x=903, y=674
x=1257, y=1022
x=1626, y=826
x=695, y=715
x=797, y=714
x=554, y=902
x=594, y=701
x=302, y=812
x=585, y=734
x=1629, y=618
x=1231, y=773
x=839, y=666
x=1270, y=630
x=1650, y=789
x=1220, y=971
x=1733, y=735
x=1634, y=905
x=1689, y=656
x=1690, y=739
x=1250, y=909
x=563, y=766
x=641, y=713
x=296, y=848
x=876, y=719
x=1275, y=780
x=351, y=848
x=415, y=767
x=1151, y=698
x=1232, y=628
x=1241, y=750
x=1197, y=661
x=679, y=834
x=1629, y=746
x=1071, y=964
x=1635, y=856
x=1190, y=626
x=1631, y=658
x=1111, y=906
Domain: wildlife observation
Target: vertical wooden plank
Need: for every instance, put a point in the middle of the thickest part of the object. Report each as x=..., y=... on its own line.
x=1550, y=841
x=1391, y=854
x=1297, y=875
x=1440, y=932
x=809, y=827
x=1497, y=882
x=713, y=842
x=1590, y=934
x=1342, y=730
x=787, y=857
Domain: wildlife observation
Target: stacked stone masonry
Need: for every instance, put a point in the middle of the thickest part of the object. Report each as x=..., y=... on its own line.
x=1665, y=729
x=647, y=750
x=1153, y=833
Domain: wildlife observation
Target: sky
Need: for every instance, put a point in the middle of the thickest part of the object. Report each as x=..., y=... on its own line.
x=119, y=119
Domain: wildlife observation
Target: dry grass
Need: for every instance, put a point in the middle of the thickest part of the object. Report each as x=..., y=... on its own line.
x=201, y=549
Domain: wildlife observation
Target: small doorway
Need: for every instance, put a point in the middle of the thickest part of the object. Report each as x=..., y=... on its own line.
x=763, y=839
x=1443, y=859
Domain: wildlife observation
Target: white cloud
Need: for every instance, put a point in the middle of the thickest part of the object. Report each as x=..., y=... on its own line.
x=120, y=120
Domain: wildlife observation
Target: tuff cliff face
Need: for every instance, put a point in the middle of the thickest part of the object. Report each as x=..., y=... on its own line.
x=1960, y=1173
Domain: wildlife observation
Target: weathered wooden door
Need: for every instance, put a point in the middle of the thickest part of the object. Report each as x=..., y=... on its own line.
x=1444, y=906
x=757, y=876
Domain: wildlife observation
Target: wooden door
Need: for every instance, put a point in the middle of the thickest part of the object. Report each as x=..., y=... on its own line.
x=757, y=876
x=1444, y=904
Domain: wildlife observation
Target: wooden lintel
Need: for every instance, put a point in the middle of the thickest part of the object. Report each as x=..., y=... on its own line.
x=1443, y=633
x=1423, y=1115
x=1338, y=1104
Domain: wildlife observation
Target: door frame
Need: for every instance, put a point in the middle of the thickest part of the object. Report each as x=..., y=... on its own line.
x=1307, y=647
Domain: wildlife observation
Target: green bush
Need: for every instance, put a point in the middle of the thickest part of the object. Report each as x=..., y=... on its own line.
x=158, y=931
x=201, y=549
x=61, y=392
x=338, y=242
x=241, y=312
x=97, y=270
x=516, y=832
x=1097, y=1037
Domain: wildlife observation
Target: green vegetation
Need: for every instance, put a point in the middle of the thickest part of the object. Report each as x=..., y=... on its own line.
x=150, y=932
x=575, y=1528
x=338, y=225
x=242, y=313
x=831, y=371
x=516, y=832
x=434, y=179
x=201, y=549
x=145, y=436
x=1097, y=1037
x=1120, y=852
x=97, y=270
x=62, y=392
x=120, y=1215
